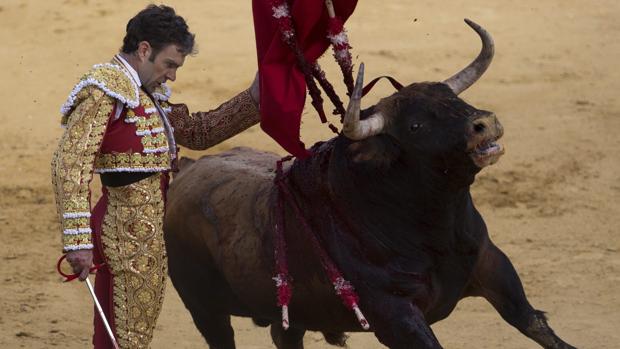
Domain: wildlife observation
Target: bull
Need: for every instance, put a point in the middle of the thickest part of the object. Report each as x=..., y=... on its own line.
x=389, y=200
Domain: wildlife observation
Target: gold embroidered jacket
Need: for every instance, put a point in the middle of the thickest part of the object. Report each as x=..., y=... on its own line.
x=113, y=126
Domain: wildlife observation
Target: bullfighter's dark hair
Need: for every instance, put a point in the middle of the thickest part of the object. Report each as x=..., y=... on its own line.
x=160, y=26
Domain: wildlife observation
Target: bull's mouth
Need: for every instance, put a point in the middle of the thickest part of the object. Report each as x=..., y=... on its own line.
x=487, y=152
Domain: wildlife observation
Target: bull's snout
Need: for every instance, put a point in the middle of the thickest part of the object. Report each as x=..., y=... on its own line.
x=487, y=125
x=484, y=132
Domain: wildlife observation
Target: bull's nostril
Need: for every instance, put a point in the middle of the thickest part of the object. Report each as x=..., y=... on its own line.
x=479, y=127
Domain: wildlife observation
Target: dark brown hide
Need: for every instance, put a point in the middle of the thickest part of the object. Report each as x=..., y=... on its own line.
x=392, y=210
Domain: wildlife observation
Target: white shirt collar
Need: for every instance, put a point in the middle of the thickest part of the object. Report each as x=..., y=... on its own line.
x=130, y=69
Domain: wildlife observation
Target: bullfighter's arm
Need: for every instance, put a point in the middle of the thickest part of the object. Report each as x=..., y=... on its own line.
x=73, y=163
x=202, y=130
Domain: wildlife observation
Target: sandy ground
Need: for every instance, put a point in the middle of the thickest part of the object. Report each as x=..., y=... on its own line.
x=552, y=203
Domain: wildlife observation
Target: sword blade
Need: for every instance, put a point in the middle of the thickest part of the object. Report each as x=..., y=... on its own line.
x=105, y=320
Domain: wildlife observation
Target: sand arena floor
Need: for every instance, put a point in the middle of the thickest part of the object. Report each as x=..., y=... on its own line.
x=552, y=202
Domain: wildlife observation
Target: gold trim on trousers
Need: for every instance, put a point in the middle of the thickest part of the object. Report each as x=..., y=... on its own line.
x=133, y=245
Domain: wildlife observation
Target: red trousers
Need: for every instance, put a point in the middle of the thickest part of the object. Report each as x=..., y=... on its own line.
x=127, y=225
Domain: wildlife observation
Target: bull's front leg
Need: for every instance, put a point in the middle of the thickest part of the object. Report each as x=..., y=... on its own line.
x=496, y=280
x=397, y=322
x=386, y=293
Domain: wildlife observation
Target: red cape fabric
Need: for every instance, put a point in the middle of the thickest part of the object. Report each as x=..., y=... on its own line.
x=282, y=84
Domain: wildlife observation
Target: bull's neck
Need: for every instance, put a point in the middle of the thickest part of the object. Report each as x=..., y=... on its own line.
x=424, y=198
x=399, y=201
x=390, y=206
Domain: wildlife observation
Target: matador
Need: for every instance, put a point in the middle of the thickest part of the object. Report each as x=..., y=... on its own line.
x=120, y=124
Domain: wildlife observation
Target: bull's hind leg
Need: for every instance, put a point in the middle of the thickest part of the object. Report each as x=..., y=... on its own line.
x=496, y=280
x=292, y=338
x=206, y=295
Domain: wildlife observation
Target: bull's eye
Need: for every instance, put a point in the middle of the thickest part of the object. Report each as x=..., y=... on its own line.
x=415, y=127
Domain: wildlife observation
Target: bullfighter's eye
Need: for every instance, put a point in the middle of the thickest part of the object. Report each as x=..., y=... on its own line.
x=415, y=127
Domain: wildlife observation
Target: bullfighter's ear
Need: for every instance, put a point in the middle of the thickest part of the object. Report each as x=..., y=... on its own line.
x=377, y=151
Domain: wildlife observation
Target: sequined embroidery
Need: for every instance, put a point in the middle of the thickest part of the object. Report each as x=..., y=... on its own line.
x=85, y=114
x=109, y=78
x=132, y=237
x=202, y=130
x=72, y=165
x=149, y=127
x=134, y=162
x=162, y=93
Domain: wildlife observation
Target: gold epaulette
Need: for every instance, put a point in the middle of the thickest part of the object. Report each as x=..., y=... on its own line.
x=162, y=92
x=112, y=80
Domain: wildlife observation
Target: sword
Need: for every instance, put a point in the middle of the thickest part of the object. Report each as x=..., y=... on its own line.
x=105, y=320
x=92, y=293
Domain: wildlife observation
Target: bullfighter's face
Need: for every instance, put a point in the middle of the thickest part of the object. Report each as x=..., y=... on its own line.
x=156, y=69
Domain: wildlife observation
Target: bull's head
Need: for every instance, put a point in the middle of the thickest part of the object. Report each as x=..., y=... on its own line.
x=427, y=122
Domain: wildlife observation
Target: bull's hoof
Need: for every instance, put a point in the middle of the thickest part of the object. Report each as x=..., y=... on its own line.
x=261, y=322
x=338, y=338
x=563, y=346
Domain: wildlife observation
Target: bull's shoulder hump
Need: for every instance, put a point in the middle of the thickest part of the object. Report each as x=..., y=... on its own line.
x=237, y=161
x=244, y=157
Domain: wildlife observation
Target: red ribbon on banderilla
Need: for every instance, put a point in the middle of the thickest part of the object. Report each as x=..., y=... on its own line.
x=340, y=43
x=342, y=287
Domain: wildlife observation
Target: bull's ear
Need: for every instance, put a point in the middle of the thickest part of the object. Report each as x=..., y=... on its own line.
x=378, y=152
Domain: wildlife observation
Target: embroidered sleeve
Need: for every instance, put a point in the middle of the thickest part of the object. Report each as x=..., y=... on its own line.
x=202, y=130
x=72, y=165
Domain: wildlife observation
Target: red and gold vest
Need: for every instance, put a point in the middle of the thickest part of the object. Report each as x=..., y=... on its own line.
x=111, y=126
x=135, y=139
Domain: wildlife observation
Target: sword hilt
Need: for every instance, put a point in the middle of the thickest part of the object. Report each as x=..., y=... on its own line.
x=70, y=277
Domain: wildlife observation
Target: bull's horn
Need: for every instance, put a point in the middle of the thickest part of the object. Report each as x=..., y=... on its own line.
x=353, y=127
x=468, y=76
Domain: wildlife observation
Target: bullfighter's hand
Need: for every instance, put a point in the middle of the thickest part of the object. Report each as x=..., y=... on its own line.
x=81, y=261
x=255, y=90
